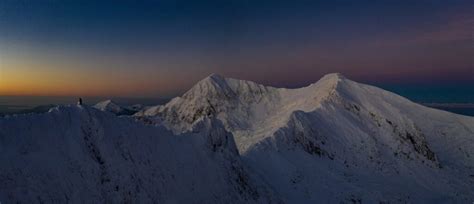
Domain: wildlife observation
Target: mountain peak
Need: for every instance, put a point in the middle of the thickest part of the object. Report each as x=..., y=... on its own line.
x=213, y=84
x=215, y=76
x=333, y=77
x=328, y=83
x=108, y=105
x=106, y=102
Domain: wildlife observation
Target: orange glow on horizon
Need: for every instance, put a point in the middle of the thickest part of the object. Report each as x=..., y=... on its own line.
x=50, y=80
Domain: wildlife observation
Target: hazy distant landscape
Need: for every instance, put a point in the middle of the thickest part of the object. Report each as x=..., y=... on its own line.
x=24, y=104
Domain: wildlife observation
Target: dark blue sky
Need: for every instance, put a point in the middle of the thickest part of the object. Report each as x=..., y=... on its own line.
x=154, y=48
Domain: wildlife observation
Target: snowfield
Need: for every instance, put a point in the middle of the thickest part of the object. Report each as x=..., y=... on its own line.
x=236, y=141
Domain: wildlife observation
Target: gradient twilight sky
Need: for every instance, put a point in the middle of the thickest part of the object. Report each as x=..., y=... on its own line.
x=161, y=48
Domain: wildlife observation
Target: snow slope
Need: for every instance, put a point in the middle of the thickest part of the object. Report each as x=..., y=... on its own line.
x=336, y=139
x=82, y=155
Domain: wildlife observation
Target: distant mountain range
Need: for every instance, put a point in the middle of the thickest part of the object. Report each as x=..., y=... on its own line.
x=236, y=141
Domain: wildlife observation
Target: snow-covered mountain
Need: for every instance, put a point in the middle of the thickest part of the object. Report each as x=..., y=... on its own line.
x=336, y=139
x=113, y=107
x=236, y=141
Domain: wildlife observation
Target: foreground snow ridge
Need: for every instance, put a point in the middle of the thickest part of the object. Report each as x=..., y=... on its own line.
x=236, y=141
